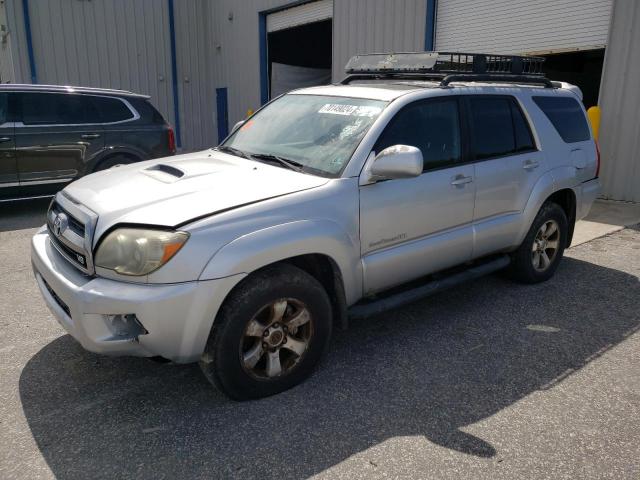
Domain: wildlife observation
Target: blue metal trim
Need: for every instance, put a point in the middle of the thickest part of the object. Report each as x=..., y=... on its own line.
x=430, y=29
x=222, y=112
x=174, y=73
x=27, y=31
x=264, y=59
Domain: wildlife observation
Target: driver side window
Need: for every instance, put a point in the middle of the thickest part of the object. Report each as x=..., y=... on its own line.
x=433, y=126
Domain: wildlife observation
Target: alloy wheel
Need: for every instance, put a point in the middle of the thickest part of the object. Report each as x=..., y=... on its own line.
x=545, y=245
x=276, y=338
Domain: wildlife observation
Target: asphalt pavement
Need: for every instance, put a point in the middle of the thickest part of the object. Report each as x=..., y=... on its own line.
x=491, y=380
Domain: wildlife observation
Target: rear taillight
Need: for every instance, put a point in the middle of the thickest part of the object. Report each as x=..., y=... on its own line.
x=597, y=160
x=171, y=139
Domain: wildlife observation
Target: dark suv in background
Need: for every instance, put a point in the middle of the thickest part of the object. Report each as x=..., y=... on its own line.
x=51, y=135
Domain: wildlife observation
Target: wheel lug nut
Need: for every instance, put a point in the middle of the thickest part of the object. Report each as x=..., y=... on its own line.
x=264, y=345
x=275, y=325
x=265, y=333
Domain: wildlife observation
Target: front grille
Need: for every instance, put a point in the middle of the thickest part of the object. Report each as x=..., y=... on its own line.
x=58, y=300
x=70, y=227
x=69, y=253
x=75, y=225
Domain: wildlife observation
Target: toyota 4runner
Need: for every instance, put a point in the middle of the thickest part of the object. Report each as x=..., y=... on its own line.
x=328, y=203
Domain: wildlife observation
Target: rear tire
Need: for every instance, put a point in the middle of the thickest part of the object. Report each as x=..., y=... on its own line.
x=539, y=255
x=269, y=334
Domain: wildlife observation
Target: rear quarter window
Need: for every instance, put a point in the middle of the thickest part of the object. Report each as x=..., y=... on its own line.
x=148, y=113
x=111, y=110
x=567, y=117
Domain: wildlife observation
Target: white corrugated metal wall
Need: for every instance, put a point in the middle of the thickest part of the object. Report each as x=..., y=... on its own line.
x=521, y=26
x=16, y=51
x=195, y=79
x=7, y=74
x=620, y=102
x=365, y=26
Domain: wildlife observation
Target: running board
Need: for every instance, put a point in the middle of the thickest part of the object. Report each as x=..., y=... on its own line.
x=409, y=296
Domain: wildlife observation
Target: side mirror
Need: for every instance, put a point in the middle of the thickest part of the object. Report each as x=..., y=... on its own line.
x=238, y=125
x=398, y=161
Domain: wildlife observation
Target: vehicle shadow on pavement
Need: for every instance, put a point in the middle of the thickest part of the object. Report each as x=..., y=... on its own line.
x=17, y=215
x=429, y=369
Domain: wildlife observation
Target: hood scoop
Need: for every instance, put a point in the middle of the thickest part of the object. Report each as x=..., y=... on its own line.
x=164, y=173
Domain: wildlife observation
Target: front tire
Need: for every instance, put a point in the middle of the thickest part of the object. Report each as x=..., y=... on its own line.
x=269, y=335
x=539, y=255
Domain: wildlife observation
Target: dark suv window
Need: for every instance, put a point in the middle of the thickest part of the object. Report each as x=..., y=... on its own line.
x=56, y=109
x=499, y=128
x=4, y=107
x=112, y=109
x=433, y=126
x=566, y=116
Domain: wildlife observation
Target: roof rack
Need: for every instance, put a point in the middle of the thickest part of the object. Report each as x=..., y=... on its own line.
x=447, y=67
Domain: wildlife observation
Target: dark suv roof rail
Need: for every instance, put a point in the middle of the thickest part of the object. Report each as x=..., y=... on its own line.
x=447, y=67
x=68, y=88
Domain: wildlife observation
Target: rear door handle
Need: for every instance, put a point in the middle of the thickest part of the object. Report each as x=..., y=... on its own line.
x=90, y=136
x=5, y=139
x=461, y=180
x=530, y=164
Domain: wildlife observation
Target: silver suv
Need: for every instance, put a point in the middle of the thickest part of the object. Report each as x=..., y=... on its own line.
x=328, y=203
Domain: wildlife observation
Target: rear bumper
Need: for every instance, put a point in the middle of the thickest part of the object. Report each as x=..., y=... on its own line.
x=177, y=317
x=589, y=191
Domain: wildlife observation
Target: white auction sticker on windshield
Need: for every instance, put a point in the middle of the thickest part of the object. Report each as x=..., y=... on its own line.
x=338, y=109
x=353, y=110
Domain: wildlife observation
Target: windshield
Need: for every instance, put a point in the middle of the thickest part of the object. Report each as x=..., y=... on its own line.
x=317, y=133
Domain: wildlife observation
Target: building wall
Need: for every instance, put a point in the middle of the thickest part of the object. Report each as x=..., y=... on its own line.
x=359, y=26
x=366, y=26
x=620, y=102
x=14, y=52
x=522, y=26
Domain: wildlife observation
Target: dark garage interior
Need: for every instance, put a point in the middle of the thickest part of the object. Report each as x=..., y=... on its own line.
x=306, y=45
x=583, y=69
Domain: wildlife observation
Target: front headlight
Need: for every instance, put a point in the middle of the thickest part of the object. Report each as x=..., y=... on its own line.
x=133, y=251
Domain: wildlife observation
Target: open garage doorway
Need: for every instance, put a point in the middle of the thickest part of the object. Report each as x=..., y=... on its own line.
x=583, y=68
x=297, y=48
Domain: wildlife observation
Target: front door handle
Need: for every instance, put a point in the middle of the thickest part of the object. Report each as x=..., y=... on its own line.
x=90, y=136
x=530, y=164
x=5, y=139
x=461, y=180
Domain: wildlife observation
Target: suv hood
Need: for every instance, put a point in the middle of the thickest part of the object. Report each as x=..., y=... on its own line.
x=174, y=190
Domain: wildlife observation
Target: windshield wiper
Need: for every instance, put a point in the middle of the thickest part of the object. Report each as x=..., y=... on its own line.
x=234, y=151
x=290, y=164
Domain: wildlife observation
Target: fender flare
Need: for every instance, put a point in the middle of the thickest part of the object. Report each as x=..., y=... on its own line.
x=543, y=189
x=258, y=249
x=552, y=181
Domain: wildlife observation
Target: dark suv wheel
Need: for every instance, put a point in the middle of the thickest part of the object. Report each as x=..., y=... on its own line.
x=269, y=335
x=539, y=255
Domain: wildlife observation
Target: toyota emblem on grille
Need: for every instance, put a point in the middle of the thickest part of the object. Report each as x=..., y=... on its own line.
x=60, y=224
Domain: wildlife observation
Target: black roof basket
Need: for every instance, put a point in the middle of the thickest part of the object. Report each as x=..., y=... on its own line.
x=447, y=67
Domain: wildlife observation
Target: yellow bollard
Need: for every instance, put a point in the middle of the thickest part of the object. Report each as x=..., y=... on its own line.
x=594, y=118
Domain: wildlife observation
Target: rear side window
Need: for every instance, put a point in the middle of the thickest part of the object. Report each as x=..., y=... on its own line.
x=111, y=110
x=566, y=116
x=432, y=126
x=499, y=127
x=147, y=112
x=55, y=109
